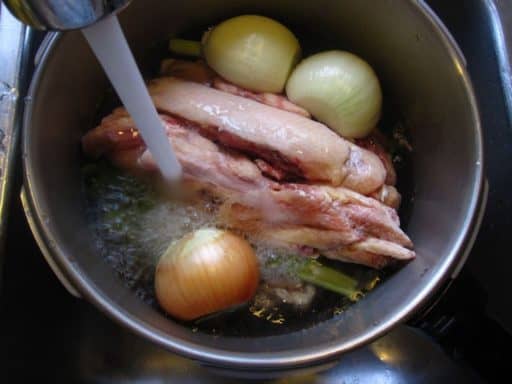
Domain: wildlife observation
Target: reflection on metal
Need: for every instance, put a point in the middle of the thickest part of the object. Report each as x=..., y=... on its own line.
x=166, y=362
x=12, y=35
x=386, y=352
x=384, y=356
x=472, y=238
x=44, y=248
x=500, y=12
x=460, y=70
x=109, y=353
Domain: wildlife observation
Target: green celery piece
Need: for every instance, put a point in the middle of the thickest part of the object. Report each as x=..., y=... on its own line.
x=315, y=273
x=185, y=47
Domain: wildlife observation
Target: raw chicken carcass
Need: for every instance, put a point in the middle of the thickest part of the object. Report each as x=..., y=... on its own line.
x=296, y=145
x=334, y=221
x=199, y=72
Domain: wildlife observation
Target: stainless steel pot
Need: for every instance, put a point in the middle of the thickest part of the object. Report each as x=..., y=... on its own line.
x=421, y=70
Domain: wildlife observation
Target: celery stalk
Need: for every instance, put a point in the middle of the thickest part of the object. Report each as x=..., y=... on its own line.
x=315, y=273
x=185, y=47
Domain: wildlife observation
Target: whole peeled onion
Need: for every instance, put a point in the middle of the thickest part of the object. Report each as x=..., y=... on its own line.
x=254, y=52
x=340, y=89
x=206, y=271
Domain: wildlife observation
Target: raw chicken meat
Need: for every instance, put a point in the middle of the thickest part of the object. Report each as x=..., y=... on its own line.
x=296, y=145
x=339, y=223
x=199, y=72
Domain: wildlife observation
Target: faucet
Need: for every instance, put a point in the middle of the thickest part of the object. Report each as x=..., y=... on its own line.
x=61, y=15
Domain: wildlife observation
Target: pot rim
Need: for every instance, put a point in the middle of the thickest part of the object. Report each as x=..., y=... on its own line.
x=275, y=360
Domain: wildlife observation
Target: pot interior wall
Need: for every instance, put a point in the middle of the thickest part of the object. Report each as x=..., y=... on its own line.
x=419, y=78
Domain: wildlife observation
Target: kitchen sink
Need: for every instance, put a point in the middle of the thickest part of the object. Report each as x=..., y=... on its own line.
x=50, y=336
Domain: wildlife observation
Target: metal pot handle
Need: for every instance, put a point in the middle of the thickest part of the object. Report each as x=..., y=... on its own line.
x=44, y=249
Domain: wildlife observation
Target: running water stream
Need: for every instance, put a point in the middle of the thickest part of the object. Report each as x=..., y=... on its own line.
x=109, y=44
